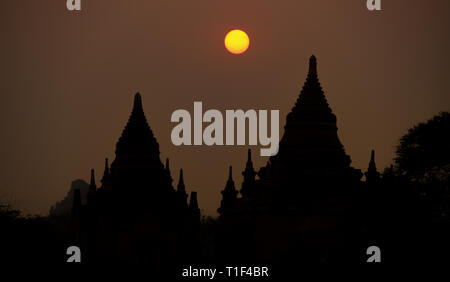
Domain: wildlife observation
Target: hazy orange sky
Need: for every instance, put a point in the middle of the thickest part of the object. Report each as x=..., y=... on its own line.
x=67, y=80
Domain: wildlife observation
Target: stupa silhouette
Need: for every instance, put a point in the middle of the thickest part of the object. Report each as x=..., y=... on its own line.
x=136, y=215
x=303, y=205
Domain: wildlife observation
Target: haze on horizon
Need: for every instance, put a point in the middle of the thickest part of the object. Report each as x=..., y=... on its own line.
x=67, y=80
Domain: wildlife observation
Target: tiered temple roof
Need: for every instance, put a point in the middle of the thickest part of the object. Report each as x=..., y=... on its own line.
x=310, y=149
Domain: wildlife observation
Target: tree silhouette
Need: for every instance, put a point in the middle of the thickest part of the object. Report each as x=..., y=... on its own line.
x=27, y=238
x=423, y=155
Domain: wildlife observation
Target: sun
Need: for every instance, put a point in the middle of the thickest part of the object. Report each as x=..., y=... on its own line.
x=237, y=41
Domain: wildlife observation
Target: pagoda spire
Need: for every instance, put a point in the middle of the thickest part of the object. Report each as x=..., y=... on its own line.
x=181, y=192
x=312, y=65
x=229, y=193
x=106, y=172
x=92, y=186
x=249, y=176
x=106, y=183
x=137, y=104
x=230, y=183
x=92, y=189
x=310, y=145
x=137, y=142
x=249, y=164
x=181, y=187
x=137, y=157
x=372, y=165
x=311, y=103
x=372, y=175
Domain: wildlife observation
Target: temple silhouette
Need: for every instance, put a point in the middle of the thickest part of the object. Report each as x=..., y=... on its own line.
x=136, y=215
x=305, y=199
x=306, y=204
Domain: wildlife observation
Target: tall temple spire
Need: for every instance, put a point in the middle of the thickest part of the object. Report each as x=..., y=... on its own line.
x=230, y=182
x=312, y=64
x=229, y=193
x=310, y=145
x=311, y=103
x=137, y=140
x=137, y=171
x=249, y=164
x=181, y=192
x=181, y=186
x=137, y=183
x=106, y=177
x=92, y=189
x=92, y=186
x=137, y=105
x=372, y=160
x=372, y=175
x=106, y=172
x=249, y=174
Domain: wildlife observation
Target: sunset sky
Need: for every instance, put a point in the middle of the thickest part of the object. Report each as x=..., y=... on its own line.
x=67, y=80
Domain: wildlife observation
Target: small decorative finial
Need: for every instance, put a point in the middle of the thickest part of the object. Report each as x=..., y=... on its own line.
x=92, y=186
x=92, y=177
x=249, y=165
x=372, y=174
x=230, y=174
x=181, y=187
x=312, y=64
x=372, y=165
x=137, y=102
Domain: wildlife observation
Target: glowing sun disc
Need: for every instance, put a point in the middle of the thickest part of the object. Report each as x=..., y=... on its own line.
x=237, y=41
